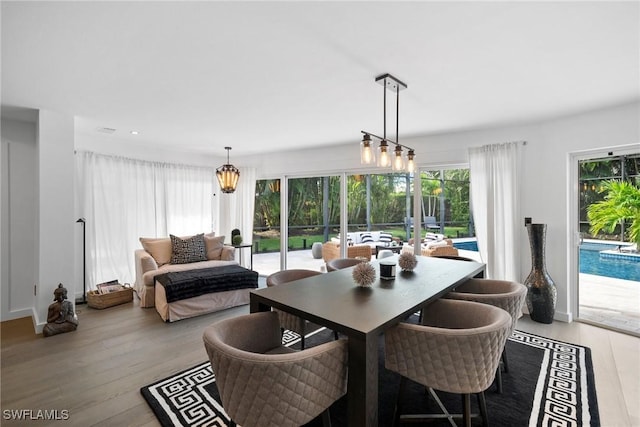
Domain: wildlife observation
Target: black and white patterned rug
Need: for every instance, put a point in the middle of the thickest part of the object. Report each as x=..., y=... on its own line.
x=549, y=383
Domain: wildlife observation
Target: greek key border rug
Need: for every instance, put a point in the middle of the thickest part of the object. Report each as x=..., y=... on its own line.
x=549, y=383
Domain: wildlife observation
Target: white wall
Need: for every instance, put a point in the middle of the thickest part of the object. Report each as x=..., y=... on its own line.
x=545, y=193
x=56, y=259
x=19, y=206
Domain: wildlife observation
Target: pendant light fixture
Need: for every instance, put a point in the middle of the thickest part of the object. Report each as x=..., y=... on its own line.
x=385, y=157
x=228, y=175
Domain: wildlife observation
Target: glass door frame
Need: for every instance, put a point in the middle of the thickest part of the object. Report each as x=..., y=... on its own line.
x=573, y=217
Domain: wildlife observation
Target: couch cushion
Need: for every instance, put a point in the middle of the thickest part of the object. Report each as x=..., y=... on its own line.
x=385, y=237
x=213, y=246
x=366, y=238
x=191, y=249
x=158, y=248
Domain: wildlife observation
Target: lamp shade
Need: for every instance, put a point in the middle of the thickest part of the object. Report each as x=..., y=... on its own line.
x=384, y=159
x=398, y=161
x=367, y=152
x=228, y=175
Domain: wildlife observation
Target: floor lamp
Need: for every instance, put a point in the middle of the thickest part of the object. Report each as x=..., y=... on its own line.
x=84, y=262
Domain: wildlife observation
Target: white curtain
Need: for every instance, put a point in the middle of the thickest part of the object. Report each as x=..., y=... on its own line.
x=236, y=210
x=494, y=196
x=125, y=199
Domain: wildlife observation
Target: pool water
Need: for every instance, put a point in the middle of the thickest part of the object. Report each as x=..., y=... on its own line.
x=590, y=261
x=471, y=245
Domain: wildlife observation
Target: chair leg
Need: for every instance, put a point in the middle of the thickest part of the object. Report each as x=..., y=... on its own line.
x=466, y=411
x=326, y=418
x=399, y=399
x=482, y=403
x=498, y=379
x=504, y=359
x=232, y=423
x=303, y=332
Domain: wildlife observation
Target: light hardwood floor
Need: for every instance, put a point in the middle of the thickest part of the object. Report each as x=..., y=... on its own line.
x=96, y=372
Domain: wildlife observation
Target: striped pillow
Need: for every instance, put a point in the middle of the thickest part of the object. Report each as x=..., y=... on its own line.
x=366, y=238
x=385, y=237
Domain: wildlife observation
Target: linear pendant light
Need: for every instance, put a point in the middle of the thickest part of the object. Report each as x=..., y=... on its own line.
x=387, y=157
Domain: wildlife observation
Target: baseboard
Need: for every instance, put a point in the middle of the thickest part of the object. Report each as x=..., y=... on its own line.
x=563, y=316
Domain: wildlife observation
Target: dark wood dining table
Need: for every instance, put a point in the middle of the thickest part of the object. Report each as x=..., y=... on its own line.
x=362, y=314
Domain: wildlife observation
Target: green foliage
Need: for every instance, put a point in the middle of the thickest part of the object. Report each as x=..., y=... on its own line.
x=622, y=202
x=391, y=196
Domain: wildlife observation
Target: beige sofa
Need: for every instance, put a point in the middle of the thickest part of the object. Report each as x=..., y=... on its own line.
x=155, y=259
x=331, y=250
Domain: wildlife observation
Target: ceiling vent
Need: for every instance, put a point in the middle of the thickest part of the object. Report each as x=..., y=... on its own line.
x=106, y=130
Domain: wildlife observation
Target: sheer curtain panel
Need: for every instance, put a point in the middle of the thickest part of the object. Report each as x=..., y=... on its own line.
x=494, y=194
x=236, y=209
x=124, y=199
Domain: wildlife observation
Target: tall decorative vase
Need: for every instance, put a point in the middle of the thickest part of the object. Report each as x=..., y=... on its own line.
x=541, y=290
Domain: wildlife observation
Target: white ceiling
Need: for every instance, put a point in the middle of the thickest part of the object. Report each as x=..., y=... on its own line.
x=265, y=76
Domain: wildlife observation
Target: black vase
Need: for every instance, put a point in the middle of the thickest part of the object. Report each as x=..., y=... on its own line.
x=541, y=290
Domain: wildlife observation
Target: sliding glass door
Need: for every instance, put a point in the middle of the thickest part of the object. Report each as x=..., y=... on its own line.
x=313, y=218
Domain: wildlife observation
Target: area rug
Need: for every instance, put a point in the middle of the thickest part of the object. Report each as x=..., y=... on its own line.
x=549, y=383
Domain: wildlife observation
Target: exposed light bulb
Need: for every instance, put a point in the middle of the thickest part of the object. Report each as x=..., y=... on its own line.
x=398, y=161
x=384, y=160
x=367, y=153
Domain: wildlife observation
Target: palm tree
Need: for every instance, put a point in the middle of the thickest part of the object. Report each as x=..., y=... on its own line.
x=622, y=202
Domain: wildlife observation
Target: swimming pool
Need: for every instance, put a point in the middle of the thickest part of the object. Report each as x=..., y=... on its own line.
x=590, y=261
x=469, y=245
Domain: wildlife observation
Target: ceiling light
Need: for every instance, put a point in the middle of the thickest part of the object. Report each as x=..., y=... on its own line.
x=134, y=132
x=385, y=158
x=228, y=175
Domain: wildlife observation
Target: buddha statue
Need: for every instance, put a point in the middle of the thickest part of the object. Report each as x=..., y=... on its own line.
x=60, y=317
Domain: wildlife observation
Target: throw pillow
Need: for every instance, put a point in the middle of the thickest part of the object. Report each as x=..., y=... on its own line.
x=366, y=238
x=184, y=251
x=385, y=237
x=158, y=248
x=213, y=246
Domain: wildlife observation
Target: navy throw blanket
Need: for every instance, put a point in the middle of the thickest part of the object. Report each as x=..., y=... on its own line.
x=181, y=285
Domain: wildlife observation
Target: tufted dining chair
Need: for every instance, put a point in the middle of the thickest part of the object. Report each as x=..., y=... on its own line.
x=507, y=295
x=340, y=263
x=262, y=383
x=456, y=349
x=288, y=320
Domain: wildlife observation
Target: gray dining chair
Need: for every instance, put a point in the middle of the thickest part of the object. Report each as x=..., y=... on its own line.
x=507, y=295
x=456, y=349
x=288, y=320
x=340, y=263
x=262, y=383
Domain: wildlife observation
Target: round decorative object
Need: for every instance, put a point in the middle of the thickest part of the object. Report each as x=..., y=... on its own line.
x=236, y=240
x=316, y=250
x=541, y=290
x=364, y=274
x=407, y=261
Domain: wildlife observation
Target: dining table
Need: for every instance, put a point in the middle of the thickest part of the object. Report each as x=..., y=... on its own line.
x=336, y=301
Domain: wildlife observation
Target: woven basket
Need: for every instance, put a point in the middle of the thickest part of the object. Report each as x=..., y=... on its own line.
x=100, y=301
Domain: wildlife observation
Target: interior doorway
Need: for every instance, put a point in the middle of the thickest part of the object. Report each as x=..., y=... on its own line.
x=604, y=267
